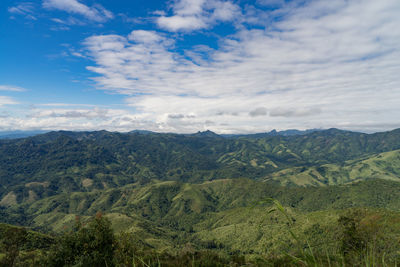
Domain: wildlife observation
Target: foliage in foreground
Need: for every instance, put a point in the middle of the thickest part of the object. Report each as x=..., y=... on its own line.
x=360, y=238
x=91, y=245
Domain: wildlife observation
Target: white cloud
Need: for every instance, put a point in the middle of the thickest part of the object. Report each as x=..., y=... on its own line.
x=185, y=23
x=6, y=100
x=64, y=105
x=25, y=9
x=223, y=10
x=324, y=64
x=58, y=21
x=59, y=116
x=188, y=7
x=11, y=88
x=94, y=113
x=192, y=15
x=123, y=62
x=141, y=36
x=95, y=13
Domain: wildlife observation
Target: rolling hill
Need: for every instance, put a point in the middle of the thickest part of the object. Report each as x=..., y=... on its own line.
x=381, y=166
x=49, y=164
x=171, y=190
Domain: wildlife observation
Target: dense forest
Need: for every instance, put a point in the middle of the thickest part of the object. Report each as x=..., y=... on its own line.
x=319, y=198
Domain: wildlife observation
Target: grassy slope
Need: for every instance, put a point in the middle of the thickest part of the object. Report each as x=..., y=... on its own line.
x=144, y=184
x=383, y=166
x=259, y=232
x=168, y=214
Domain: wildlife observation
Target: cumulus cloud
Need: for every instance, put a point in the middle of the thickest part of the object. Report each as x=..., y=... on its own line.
x=60, y=116
x=189, y=15
x=330, y=61
x=141, y=36
x=176, y=23
x=125, y=60
x=321, y=64
x=96, y=13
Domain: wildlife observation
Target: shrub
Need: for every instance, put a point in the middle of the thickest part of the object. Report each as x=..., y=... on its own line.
x=86, y=245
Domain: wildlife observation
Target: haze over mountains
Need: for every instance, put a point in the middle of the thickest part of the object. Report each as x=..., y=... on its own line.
x=19, y=134
x=22, y=134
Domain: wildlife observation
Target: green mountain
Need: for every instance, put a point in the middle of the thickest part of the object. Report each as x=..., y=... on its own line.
x=49, y=164
x=171, y=190
x=381, y=166
x=164, y=215
x=170, y=202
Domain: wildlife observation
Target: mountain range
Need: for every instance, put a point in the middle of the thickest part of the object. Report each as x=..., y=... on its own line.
x=171, y=189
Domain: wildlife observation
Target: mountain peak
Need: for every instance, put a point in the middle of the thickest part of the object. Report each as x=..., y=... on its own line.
x=206, y=133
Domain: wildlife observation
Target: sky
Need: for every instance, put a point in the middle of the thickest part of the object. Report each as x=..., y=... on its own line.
x=193, y=65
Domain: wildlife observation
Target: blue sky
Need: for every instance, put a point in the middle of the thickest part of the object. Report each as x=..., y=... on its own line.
x=191, y=65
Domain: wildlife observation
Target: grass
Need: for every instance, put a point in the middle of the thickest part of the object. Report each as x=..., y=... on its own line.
x=363, y=241
x=269, y=235
x=381, y=166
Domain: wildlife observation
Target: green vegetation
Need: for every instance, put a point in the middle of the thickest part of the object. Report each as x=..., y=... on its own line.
x=41, y=166
x=91, y=245
x=351, y=237
x=381, y=166
x=22, y=247
x=182, y=200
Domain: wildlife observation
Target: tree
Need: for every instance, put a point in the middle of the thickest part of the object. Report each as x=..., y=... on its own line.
x=87, y=245
x=13, y=239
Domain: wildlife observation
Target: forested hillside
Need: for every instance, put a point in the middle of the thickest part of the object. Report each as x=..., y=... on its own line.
x=58, y=162
x=206, y=190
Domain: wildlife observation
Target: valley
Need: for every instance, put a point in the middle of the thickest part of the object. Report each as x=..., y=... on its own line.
x=206, y=191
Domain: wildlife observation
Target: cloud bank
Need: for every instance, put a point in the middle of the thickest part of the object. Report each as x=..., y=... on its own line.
x=283, y=65
x=334, y=62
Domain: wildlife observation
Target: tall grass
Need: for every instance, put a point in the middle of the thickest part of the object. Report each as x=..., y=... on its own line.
x=362, y=243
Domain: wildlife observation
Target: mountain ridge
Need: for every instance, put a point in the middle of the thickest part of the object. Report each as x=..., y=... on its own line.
x=170, y=190
x=18, y=134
